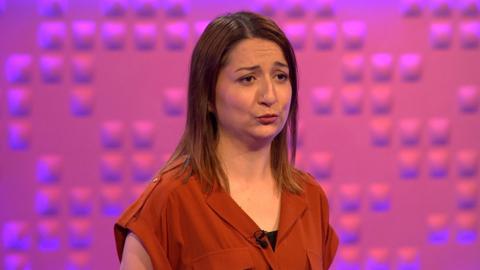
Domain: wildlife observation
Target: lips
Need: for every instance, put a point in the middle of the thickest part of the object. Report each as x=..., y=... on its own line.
x=267, y=119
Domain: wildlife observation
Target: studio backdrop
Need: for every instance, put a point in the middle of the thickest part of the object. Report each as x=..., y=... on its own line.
x=93, y=100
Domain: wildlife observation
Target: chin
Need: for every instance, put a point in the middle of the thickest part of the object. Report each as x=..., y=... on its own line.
x=266, y=134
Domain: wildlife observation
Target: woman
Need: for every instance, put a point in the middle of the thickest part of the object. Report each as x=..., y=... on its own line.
x=229, y=198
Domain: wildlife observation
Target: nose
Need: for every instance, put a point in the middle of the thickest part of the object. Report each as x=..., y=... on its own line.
x=267, y=93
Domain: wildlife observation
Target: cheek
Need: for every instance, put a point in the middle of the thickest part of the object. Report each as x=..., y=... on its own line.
x=230, y=101
x=285, y=98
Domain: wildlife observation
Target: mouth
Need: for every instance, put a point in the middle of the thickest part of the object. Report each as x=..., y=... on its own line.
x=267, y=119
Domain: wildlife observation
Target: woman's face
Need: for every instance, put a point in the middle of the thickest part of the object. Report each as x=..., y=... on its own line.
x=253, y=92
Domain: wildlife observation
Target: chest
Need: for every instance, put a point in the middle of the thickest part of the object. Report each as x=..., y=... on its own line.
x=219, y=233
x=261, y=206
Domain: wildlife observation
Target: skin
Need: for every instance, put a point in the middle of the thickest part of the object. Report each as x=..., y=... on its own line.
x=254, y=82
x=134, y=255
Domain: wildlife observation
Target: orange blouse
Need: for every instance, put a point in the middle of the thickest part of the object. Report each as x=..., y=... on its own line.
x=181, y=227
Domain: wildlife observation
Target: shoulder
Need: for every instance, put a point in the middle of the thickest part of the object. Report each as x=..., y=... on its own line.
x=311, y=187
x=157, y=193
x=169, y=180
x=145, y=217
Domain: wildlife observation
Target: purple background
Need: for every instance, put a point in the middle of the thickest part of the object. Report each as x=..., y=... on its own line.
x=92, y=102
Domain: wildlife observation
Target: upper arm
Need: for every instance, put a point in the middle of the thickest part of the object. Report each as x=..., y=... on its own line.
x=143, y=231
x=134, y=255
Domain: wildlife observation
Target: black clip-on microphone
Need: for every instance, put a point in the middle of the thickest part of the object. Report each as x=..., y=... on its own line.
x=259, y=235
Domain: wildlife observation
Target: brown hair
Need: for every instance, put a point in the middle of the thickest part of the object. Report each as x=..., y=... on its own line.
x=200, y=138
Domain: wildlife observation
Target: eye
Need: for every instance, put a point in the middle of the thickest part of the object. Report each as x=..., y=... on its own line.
x=281, y=77
x=247, y=79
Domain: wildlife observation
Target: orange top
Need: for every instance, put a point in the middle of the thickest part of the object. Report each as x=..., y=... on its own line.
x=181, y=227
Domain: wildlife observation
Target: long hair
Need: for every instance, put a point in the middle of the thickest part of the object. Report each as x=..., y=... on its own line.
x=200, y=138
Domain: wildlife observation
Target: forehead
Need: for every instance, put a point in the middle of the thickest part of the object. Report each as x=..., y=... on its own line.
x=254, y=51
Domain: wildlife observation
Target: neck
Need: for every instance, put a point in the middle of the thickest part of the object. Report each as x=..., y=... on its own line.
x=244, y=164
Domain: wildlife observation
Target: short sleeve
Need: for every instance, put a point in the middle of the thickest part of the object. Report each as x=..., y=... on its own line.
x=330, y=237
x=330, y=247
x=150, y=219
x=146, y=219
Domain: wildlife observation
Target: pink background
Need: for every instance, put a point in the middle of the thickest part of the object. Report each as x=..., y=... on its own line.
x=92, y=101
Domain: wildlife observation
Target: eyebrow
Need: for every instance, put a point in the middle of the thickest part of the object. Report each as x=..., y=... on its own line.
x=277, y=64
